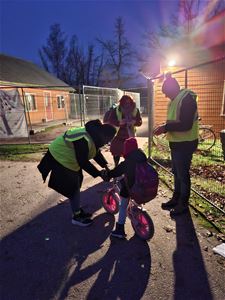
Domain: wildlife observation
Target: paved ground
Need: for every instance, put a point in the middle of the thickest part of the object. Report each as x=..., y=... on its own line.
x=44, y=256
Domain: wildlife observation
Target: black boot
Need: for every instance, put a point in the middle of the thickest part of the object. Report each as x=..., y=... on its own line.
x=170, y=204
x=179, y=209
x=119, y=231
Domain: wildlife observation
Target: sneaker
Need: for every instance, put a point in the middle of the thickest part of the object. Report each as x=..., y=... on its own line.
x=81, y=221
x=170, y=204
x=119, y=231
x=179, y=210
x=85, y=214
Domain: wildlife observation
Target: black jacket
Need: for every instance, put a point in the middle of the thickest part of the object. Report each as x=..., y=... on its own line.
x=128, y=168
x=65, y=181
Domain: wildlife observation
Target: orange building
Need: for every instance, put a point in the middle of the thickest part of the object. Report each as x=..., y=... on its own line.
x=43, y=96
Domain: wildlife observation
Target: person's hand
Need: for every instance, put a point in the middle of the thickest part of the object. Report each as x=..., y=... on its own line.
x=123, y=122
x=159, y=130
x=104, y=175
x=131, y=122
x=107, y=168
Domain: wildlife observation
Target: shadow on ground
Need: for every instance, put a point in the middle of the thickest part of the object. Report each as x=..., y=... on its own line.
x=191, y=279
x=48, y=257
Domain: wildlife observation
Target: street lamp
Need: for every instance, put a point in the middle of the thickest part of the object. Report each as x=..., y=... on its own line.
x=171, y=62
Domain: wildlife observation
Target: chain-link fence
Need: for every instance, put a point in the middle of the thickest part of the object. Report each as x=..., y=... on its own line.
x=25, y=111
x=97, y=100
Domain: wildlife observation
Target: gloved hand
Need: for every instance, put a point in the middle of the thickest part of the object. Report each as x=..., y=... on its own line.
x=159, y=130
x=104, y=175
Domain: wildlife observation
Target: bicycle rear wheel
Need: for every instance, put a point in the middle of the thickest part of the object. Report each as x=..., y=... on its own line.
x=207, y=138
x=142, y=224
x=110, y=202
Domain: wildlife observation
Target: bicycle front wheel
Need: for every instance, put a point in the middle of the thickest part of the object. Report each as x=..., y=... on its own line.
x=207, y=138
x=110, y=202
x=142, y=225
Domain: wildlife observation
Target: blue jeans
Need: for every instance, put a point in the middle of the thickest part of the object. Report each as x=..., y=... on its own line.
x=123, y=210
x=181, y=162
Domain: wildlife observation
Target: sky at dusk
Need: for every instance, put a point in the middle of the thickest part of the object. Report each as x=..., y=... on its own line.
x=25, y=24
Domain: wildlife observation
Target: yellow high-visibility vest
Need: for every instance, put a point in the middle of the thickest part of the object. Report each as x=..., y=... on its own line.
x=62, y=148
x=173, y=116
x=119, y=117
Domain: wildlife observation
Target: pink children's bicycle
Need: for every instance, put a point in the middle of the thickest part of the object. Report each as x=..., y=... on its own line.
x=140, y=219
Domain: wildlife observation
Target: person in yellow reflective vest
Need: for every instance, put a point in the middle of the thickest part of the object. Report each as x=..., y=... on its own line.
x=68, y=155
x=126, y=117
x=181, y=129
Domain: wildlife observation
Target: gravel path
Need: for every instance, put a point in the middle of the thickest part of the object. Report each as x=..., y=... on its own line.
x=44, y=256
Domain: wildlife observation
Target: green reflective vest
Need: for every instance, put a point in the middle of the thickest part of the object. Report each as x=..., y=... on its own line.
x=62, y=148
x=173, y=115
x=119, y=117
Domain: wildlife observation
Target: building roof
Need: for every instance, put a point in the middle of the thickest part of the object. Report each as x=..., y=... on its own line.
x=22, y=73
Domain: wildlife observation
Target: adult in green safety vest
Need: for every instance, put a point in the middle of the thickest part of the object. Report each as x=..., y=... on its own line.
x=181, y=129
x=68, y=155
x=126, y=117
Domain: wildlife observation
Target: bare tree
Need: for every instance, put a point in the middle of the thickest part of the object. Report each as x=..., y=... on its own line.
x=72, y=63
x=119, y=53
x=53, y=54
x=89, y=63
x=83, y=68
x=192, y=14
x=98, y=67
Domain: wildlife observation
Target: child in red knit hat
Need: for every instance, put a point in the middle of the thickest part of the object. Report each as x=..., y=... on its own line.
x=132, y=155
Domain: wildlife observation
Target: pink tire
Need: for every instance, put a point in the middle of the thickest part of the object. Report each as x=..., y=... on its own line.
x=110, y=202
x=143, y=225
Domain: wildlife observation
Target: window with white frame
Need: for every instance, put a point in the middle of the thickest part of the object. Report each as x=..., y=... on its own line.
x=30, y=102
x=60, y=101
x=223, y=101
x=47, y=99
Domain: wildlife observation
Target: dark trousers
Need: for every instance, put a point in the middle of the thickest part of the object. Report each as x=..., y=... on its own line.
x=181, y=162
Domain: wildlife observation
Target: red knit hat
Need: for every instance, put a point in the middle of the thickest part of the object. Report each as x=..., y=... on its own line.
x=130, y=145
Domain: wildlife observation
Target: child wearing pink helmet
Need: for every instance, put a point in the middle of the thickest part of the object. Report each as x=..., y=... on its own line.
x=132, y=155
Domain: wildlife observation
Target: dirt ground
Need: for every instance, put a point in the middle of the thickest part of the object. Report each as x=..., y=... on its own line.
x=44, y=256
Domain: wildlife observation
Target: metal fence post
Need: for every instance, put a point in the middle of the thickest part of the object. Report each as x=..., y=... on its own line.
x=65, y=108
x=186, y=78
x=81, y=120
x=150, y=108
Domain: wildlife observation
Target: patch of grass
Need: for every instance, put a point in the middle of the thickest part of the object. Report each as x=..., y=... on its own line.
x=208, y=185
x=50, y=128
x=22, y=152
x=210, y=216
x=200, y=159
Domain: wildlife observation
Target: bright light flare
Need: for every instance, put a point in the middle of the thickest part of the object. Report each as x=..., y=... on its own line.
x=171, y=63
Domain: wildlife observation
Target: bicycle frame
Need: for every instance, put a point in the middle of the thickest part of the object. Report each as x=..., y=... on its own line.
x=130, y=208
x=140, y=219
